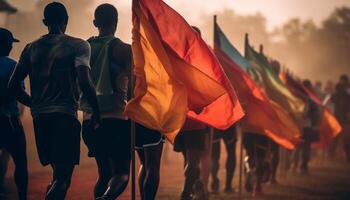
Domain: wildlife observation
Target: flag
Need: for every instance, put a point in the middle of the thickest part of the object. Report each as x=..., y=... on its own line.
x=275, y=89
x=176, y=74
x=262, y=115
x=328, y=127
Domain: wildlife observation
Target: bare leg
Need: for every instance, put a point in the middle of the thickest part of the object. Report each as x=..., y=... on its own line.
x=104, y=175
x=215, y=156
x=274, y=162
x=61, y=183
x=150, y=171
x=19, y=156
x=119, y=181
x=192, y=172
x=4, y=159
x=206, y=161
x=230, y=164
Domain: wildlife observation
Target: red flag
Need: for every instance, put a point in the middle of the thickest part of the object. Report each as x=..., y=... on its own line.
x=176, y=74
x=262, y=115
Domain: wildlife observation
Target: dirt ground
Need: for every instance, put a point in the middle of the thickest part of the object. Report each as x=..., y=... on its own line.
x=327, y=180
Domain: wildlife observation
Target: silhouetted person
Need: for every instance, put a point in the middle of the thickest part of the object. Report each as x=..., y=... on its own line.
x=192, y=141
x=341, y=99
x=58, y=68
x=310, y=132
x=275, y=158
x=229, y=137
x=12, y=138
x=110, y=70
x=256, y=146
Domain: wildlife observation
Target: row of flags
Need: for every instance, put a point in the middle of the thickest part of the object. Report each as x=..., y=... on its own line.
x=177, y=76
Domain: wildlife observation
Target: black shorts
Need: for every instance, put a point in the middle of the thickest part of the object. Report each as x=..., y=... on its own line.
x=12, y=137
x=145, y=137
x=194, y=139
x=57, y=138
x=111, y=139
x=228, y=135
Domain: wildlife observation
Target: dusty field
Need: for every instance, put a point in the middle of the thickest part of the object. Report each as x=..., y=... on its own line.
x=328, y=180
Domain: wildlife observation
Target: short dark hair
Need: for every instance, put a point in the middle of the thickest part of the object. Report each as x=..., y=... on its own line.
x=55, y=13
x=307, y=83
x=344, y=77
x=106, y=15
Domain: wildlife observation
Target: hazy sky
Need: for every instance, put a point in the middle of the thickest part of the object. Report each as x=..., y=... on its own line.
x=276, y=11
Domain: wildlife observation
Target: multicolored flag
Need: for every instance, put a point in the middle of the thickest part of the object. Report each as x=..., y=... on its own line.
x=262, y=115
x=275, y=89
x=329, y=127
x=176, y=74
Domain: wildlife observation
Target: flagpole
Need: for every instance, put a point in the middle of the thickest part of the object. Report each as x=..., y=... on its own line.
x=132, y=144
x=239, y=130
x=133, y=163
x=133, y=130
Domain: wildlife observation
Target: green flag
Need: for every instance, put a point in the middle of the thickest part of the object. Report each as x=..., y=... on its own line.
x=263, y=73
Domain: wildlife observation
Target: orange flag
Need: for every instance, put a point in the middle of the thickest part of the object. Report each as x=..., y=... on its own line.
x=262, y=115
x=176, y=74
x=329, y=126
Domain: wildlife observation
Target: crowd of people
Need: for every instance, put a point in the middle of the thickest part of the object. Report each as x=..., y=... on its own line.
x=95, y=76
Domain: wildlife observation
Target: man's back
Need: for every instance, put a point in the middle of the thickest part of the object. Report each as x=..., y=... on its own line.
x=51, y=62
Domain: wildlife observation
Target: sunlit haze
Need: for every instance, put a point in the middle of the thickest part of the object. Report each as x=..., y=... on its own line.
x=262, y=19
x=276, y=11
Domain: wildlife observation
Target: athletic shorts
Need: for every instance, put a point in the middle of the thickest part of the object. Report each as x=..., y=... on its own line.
x=228, y=135
x=57, y=138
x=111, y=139
x=145, y=137
x=194, y=139
x=12, y=137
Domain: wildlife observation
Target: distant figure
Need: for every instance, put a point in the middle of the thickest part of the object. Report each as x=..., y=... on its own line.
x=110, y=71
x=58, y=68
x=310, y=133
x=319, y=90
x=229, y=138
x=341, y=99
x=12, y=137
x=329, y=91
x=274, y=151
x=192, y=141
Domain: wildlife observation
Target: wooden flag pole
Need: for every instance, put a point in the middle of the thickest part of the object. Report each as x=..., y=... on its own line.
x=133, y=128
x=240, y=161
x=132, y=145
x=133, y=162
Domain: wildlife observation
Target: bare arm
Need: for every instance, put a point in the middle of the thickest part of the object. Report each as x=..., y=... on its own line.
x=123, y=54
x=82, y=67
x=88, y=89
x=15, y=84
